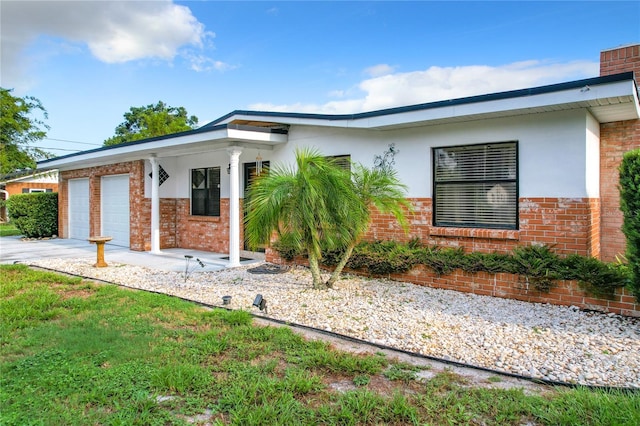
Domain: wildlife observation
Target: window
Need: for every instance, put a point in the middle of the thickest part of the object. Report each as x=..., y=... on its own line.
x=30, y=190
x=343, y=161
x=476, y=186
x=205, y=191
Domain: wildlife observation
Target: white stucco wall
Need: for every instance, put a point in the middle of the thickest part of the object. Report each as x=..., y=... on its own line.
x=558, y=153
x=553, y=149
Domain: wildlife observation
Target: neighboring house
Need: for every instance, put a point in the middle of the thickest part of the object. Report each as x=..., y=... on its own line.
x=532, y=166
x=25, y=183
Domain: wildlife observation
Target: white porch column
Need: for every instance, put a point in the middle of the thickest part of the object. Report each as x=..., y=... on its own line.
x=234, y=208
x=155, y=205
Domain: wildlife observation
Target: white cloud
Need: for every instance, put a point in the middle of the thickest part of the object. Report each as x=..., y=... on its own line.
x=379, y=70
x=200, y=63
x=113, y=31
x=443, y=83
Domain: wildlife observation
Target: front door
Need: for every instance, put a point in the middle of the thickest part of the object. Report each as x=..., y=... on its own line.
x=250, y=173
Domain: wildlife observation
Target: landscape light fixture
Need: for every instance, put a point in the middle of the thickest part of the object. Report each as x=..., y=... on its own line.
x=261, y=303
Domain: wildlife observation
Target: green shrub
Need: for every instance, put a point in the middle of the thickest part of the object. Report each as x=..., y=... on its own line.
x=630, y=206
x=442, y=260
x=596, y=277
x=383, y=258
x=36, y=214
x=538, y=264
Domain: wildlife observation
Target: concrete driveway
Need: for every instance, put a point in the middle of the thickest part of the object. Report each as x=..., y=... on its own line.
x=16, y=250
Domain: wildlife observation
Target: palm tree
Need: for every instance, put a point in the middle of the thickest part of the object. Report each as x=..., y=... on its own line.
x=313, y=206
x=377, y=188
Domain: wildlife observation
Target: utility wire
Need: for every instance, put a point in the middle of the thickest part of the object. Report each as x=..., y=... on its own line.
x=65, y=140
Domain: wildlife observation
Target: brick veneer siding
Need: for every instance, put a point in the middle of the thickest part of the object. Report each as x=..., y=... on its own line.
x=615, y=139
x=202, y=232
x=510, y=286
x=570, y=225
x=135, y=170
x=15, y=188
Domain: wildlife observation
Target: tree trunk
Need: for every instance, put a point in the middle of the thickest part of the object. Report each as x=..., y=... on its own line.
x=340, y=266
x=315, y=271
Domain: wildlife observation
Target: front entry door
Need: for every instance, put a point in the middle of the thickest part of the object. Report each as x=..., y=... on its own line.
x=250, y=173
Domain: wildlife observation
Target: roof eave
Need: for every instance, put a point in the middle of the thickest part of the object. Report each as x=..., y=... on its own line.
x=597, y=94
x=217, y=138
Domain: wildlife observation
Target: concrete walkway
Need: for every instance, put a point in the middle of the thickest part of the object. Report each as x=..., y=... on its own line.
x=15, y=249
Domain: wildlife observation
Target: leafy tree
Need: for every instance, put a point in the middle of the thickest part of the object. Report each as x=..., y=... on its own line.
x=630, y=206
x=377, y=188
x=312, y=207
x=18, y=129
x=151, y=121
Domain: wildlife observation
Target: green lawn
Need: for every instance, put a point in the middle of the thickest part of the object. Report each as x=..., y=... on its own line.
x=7, y=230
x=74, y=352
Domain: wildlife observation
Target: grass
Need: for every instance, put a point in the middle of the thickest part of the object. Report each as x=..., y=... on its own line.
x=78, y=353
x=8, y=230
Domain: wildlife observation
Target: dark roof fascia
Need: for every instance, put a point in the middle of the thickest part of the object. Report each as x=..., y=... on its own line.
x=614, y=78
x=139, y=142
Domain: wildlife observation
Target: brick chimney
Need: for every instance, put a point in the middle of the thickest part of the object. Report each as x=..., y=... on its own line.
x=615, y=139
x=620, y=59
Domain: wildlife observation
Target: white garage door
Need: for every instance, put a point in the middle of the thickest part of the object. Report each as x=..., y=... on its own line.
x=79, y=209
x=114, y=192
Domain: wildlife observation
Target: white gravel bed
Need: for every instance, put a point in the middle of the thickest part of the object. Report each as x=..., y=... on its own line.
x=530, y=339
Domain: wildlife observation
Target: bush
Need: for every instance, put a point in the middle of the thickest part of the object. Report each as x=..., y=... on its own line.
x=594, y=276
x=539, y=265
x=36, y=214
x=630, y=206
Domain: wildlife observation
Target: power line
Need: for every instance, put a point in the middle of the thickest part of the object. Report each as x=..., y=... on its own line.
x=65, y=140
x=46, y=148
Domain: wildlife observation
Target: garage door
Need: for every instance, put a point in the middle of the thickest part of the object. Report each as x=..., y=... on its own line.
x=114, y=207
x=79, y=209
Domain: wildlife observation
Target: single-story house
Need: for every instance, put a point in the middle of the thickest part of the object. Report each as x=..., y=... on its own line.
x=25, y=183
x=489, y=172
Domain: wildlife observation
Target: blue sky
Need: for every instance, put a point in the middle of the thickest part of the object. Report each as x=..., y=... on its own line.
x=90, y=61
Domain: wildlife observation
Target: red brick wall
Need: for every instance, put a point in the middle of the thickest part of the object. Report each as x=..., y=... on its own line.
x=569, y=225
x=615, y=139
x=135, y=170
x=203, y=232
x=510, y=286
x=168, y=212
x=619, y=60
x=14, y=188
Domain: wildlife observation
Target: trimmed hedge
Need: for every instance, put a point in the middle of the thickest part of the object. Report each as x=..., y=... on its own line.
x=36, y=214
x=539, y=265
x=630, y=206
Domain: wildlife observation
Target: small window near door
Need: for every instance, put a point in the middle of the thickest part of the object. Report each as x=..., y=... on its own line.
x=30, y=190
x=205, y=191
x=343, y=161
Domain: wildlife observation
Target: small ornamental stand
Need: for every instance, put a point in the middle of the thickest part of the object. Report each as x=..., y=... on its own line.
x=99, y=241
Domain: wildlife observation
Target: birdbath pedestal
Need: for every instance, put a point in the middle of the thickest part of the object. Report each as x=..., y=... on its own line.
x=99, y=241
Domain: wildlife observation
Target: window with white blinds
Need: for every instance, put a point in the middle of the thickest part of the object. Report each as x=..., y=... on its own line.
x=476, y=186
